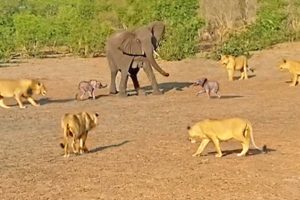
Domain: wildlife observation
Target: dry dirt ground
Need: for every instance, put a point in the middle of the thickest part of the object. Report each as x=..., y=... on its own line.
x=140, y=149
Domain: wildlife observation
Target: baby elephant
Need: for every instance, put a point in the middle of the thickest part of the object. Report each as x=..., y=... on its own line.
x=208, y=86
x=89, y=87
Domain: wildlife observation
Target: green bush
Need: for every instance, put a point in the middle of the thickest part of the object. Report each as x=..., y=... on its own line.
x=269, y=28
x=31, y=32
x=32, y=26
x=7, y=44
x=84, y=32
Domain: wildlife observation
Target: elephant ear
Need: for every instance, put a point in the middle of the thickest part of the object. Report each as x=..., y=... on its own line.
x=131, y=45
x=157, y=28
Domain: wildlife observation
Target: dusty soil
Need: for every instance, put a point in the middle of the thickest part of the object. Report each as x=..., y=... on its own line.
x=140, y=148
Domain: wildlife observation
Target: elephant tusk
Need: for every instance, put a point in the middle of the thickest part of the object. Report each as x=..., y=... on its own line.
x=156, y=53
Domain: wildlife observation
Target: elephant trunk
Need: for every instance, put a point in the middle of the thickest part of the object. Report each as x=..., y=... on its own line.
x=104, y=86
x=155, y=65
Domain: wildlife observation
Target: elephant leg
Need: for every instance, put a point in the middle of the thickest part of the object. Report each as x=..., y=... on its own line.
x=133, y=75
x=148, y=70
x=113, y=75
x=135, y=82
x=123, y=83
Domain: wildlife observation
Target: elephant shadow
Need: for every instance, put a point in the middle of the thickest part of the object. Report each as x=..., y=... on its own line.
x=101, y=148
x=168, y=86
x=251, y=152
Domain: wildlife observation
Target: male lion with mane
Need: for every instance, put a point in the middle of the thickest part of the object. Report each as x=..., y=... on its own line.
x=23, y=88
x=76, y=127
x=221, y=130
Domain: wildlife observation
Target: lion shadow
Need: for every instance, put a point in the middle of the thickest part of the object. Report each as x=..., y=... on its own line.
x=102, y=95
x=49, y=101
x=101, y=148
x=251, y=152
x=168, y=86
x=226, y=97
x=249, y=77
x=91, y=98
x=290, y=81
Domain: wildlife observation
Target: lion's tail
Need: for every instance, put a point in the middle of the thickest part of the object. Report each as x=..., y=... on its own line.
x=250, y=132
x=66, y=130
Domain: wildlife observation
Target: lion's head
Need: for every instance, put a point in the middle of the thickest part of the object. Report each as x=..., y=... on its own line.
x=192, y=134
x=224, y=59
x=39, y=88
x=284, y=65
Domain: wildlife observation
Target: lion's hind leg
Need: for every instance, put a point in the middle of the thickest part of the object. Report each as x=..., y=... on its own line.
x=245, y=141
x=65, y=145
x=245, y=146
x=242, y=75
x=82, y=145
x=74, y=146
x=2, y=104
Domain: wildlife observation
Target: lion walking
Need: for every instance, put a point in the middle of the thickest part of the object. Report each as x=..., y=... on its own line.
x=76, y=128
x=222, y=130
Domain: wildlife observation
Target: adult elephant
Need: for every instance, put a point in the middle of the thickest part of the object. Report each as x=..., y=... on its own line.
x=128, y=51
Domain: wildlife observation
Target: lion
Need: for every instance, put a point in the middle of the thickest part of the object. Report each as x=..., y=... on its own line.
x=23, y=88
x=232, y=64
x=222, y=130
x=293, y=67
x=76, y=128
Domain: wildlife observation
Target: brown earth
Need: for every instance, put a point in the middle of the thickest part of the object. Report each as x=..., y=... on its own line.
x=140, y=148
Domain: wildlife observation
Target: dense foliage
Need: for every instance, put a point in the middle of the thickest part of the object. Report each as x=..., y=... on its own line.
x=270, y=28
x=34, y=27
x=81, y=27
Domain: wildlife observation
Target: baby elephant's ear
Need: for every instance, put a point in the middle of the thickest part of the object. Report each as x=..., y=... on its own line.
x=131, y=45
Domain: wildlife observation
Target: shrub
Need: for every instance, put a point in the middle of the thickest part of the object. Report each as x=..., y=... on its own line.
x=7, y=43
x=269, y=28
